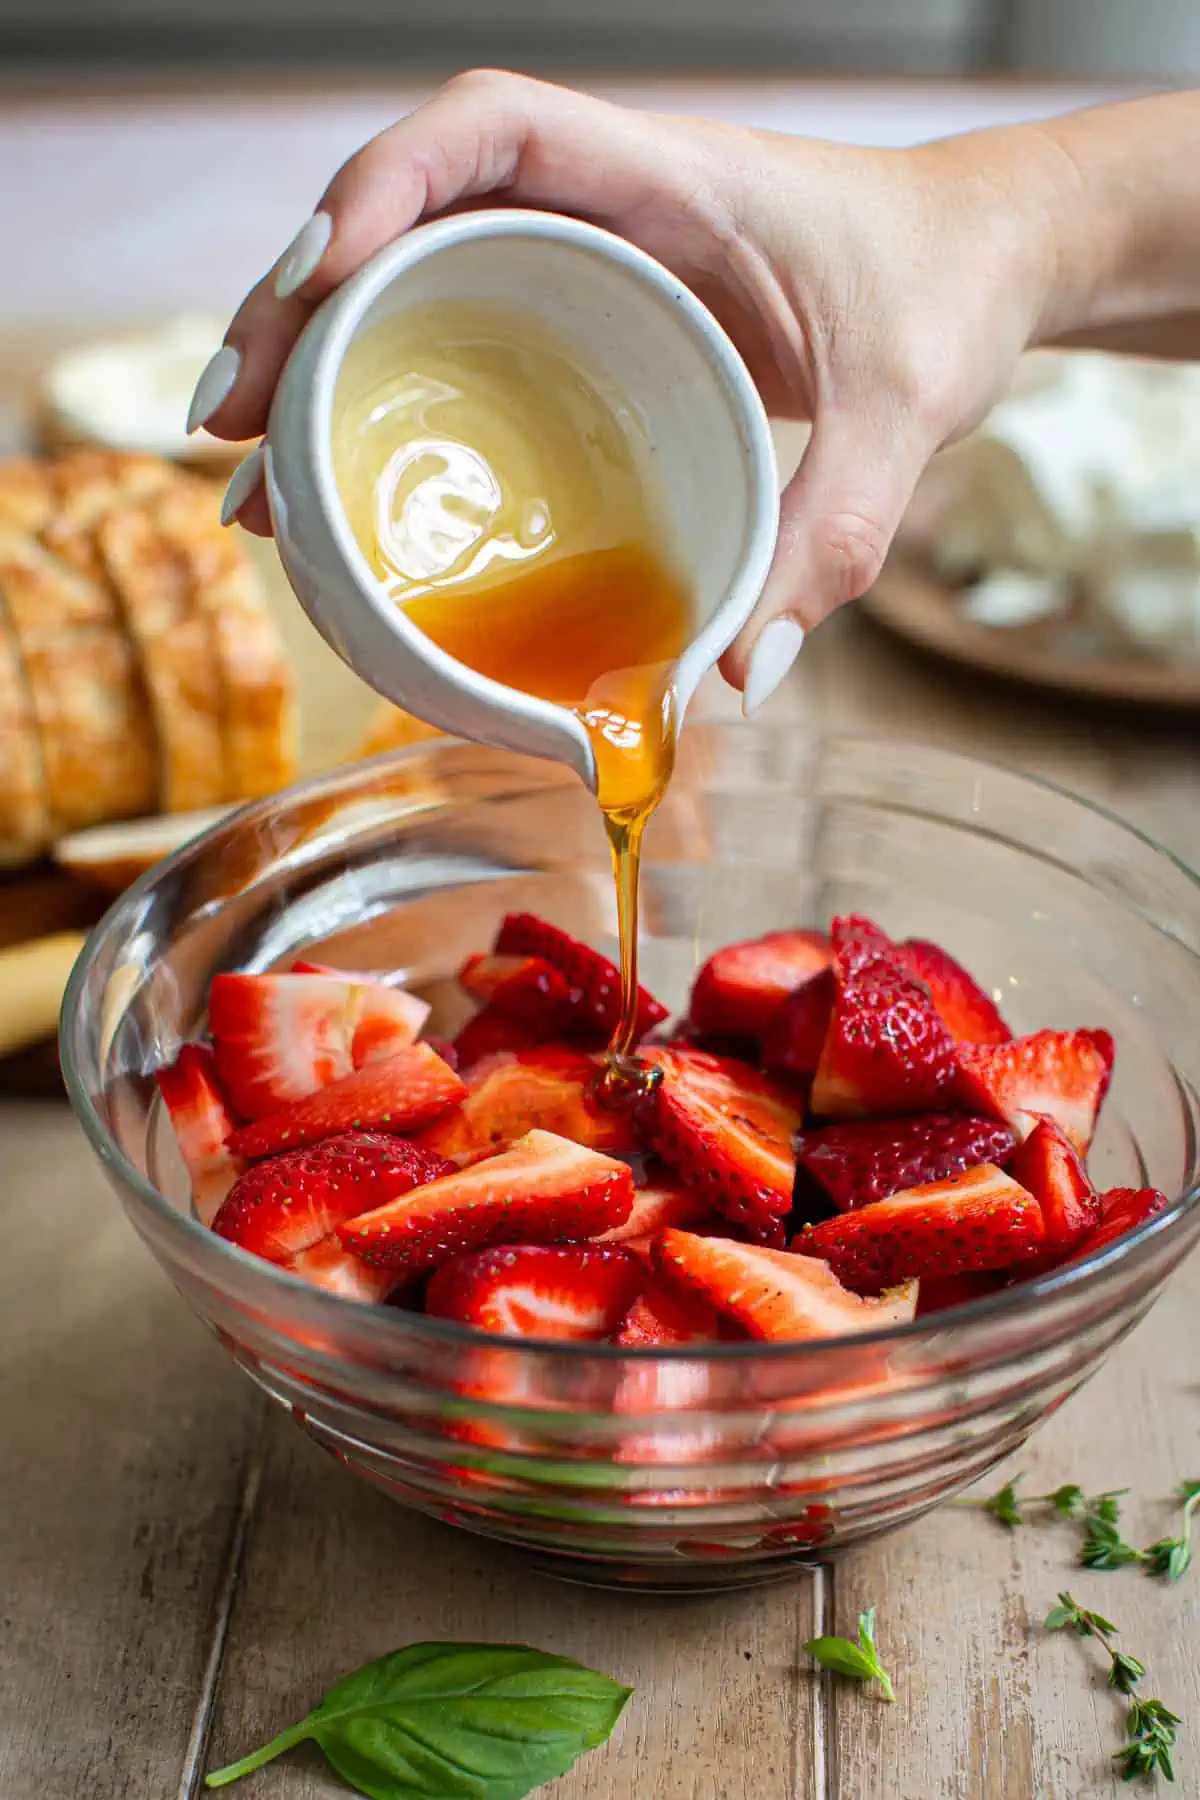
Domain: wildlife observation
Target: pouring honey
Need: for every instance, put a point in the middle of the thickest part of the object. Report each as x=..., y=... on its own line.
x=504, y=500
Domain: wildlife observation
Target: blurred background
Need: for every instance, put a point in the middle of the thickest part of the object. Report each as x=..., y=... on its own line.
x=1059, y=37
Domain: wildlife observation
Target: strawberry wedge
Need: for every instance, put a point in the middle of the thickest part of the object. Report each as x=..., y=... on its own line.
x=741, y=986
x=512, y=1093
x=386, y=1016
x=656, y=1207
x=980, y=1219
x=545, y=1189
x=887, y=1049
x=279, y=1038
x=969, y=1015
x=326, y=1265
x=663, y=1317
x=532, y=1290
x=201, y=1120
x=842, y=1167
x=593, y=1009
x=796, y=1031
x=774, y=1294
x=1121, y=1210
x=1049, y=1165
x=727, y=1133
x=409, y=1089
x=1062, y=1075
x=290, y=1202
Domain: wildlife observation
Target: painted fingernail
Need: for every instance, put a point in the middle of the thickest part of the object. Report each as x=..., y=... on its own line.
x=214, y=386
x=242, y=483
x=777, y=648
x=302, y=255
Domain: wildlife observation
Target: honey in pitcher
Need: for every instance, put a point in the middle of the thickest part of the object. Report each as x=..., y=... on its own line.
x=505, y=502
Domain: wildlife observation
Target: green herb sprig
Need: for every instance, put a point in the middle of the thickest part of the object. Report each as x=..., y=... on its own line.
x=858, y=1659
x=1150, y=1726
x=453, y=1722
x=1172, y=1556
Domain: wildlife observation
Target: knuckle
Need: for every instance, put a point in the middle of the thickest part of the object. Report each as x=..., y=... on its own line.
x=851, y=548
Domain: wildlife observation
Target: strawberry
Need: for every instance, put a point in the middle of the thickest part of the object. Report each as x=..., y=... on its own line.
x=741, y=985
x=727, y=1133
x=857, y=939
x=797, y=1029
x=528, y=1290
x=1121, y=1210
x=326, y=1265
x=938, y=1293
x=594, y=1003
x=661, y=1317
x=842, y=1167
x=980, y=1219
x=541, y=1190
x=387, y=1017
x=490, y=1033
x=511, y=1093
x=774, y=1294
x=292, y=1201
x=968, y=1014
x=1050, y=1167
x=656, y=1207
x=279, y=1038
x=395, y=1096
x=201, y=1120
x=526, y=989
x=1062, y=1075
x=887, y=1050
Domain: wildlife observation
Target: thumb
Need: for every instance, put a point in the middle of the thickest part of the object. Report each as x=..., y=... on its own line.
x=838, y=515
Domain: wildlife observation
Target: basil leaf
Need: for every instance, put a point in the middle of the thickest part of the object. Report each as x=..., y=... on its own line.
x=842, y=1657
x=454, y=1722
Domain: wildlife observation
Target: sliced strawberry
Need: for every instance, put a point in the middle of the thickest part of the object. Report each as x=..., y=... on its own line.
x=774, y=1294
x=326, y=1265
x=887, y=1050
x=845, y=1166
x=1050, y=1167
x=1121, y=1210
x=528, y=1290
x=490, y=1033
x=543, y=1190
x=407, y=1090
x=528, y=989
x=969, y=1015
x=940, y=1292
x=594, y=1004
x=796, y=1032
x=657, y=1206
x=202, y=1122
x=1062, y=1075
x=741, y=985
x=856, y=939
x=387, y=1017
x=663, y=1316
x=292, y=1201
x=548, y=1089
x=980, y=1219
x=727, y=1133
x=279, y=1038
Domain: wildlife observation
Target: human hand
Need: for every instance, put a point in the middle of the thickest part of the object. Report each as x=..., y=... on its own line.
x=884, y=295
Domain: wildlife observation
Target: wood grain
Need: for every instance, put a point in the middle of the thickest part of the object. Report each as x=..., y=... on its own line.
x=125, y=1435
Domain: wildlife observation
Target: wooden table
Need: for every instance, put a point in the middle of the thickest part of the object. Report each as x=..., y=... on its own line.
x=182, y=1572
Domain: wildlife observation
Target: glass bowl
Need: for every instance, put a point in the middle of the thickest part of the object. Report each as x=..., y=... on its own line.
x=669, y=1469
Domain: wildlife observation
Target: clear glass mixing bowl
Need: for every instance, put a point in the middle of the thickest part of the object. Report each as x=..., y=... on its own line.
x=673, y=1468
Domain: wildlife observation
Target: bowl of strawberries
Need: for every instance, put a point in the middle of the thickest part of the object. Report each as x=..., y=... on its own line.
x=911, y=1145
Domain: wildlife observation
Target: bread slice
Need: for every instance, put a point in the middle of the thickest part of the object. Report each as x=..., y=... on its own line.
x=258, y=711
x=24, y=816
x=177, y=656
x=97, y=745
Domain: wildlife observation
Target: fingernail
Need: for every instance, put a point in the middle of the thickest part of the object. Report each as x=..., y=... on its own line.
x=242, y=483
x=214, y=386
x=302, y=255
x=777, y=648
